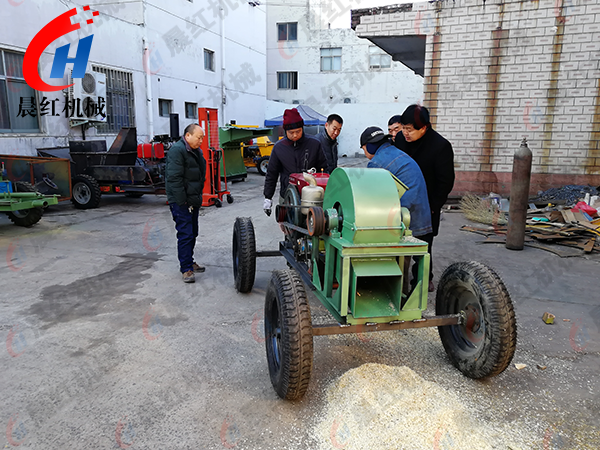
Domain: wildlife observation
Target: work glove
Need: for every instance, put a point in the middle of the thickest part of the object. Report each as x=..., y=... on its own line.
x=267, y=205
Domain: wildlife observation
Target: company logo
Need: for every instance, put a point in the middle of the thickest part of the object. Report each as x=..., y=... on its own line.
x=152, y=237
x=15, y=432
x=152, y=60
x=15, y=256
x=532, y=116
x=339, y=433
x=287, y=49
x=230, y=433
x=443, y=440
x=579, y=338
x=124, y=434
x=424, y=25
x=151, y=326
x=14, y=3
x=52, y=31
x=254, y=328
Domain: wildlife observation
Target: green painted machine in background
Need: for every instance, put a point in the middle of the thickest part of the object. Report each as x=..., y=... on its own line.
x=230, y=138
x=354, y=253
x=20, y=201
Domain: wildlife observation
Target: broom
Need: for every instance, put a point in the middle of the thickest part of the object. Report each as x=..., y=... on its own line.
x=482, y=210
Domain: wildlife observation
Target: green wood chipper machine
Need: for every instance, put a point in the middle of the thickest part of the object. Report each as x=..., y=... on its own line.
x=353, y=249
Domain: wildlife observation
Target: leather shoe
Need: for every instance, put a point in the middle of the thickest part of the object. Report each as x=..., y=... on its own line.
x=198, y=268
x=188, y=277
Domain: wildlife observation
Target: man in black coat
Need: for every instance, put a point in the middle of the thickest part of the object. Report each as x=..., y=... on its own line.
x=328, y=140
x=412, y=133
x=295, y=153
x=185, y=173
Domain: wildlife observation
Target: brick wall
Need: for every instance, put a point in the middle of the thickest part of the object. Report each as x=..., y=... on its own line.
x=498, y=71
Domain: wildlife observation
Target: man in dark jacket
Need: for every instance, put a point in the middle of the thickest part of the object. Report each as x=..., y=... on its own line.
x=434, y=155
x=329, y=142
x=295, y=153
x=185, y=175
x=383, y=155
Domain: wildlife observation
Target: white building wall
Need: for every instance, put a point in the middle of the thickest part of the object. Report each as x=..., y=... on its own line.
x=375, y=94
x=175, y=35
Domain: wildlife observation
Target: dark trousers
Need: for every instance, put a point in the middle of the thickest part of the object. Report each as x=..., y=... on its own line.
x=186, y=224
x=435, y=224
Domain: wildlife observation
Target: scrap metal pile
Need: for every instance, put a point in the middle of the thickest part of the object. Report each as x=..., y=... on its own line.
x=569, y=219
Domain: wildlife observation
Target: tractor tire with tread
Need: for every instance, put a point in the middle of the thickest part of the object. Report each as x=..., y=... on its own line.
x=262, y=164
x=26, y=217
x=288, y=335
x=86, y=192
x=485, y=345
x=244, y=254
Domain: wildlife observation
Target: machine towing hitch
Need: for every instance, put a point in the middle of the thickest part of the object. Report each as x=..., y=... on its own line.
x=353, y=248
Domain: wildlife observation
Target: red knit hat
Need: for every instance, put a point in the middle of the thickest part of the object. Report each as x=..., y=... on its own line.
x=292, y=119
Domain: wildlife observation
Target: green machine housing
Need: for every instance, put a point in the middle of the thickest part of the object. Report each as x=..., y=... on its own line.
x=358, y=267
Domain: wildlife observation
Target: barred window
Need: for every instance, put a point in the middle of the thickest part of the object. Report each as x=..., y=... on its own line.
x=120, y=107
x=287, y=80
x=18, y=102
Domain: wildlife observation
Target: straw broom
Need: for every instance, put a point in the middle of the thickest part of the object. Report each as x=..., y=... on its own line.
x=482, y=210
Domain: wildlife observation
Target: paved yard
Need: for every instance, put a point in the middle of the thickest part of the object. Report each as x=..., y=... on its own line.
x=107, y=348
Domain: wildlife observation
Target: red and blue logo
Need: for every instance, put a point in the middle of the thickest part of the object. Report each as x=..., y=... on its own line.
x=52, y=31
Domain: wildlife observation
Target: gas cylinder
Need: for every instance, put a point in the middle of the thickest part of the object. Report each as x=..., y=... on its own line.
x=312, y=195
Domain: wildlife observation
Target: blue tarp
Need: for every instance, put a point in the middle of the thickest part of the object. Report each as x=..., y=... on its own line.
x=309, y=115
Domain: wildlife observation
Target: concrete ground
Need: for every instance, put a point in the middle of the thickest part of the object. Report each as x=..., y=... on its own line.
x=107, y=348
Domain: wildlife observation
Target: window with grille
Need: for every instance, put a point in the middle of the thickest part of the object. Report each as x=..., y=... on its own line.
x=209, y=60
x=120, y=106
x=191, y=110
x=287, y=80
x=287, y=31
x=331, y=59
x=18, y=102
x=378, y=59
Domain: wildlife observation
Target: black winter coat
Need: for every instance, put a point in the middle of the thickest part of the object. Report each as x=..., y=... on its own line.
x=290, y=157
x=184, y=175
x=434, y=155
x=330, y=148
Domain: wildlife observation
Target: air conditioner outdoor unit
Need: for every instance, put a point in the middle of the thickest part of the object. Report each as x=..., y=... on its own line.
x=91, y=92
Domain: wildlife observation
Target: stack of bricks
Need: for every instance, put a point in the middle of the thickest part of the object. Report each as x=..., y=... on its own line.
x=500, y=71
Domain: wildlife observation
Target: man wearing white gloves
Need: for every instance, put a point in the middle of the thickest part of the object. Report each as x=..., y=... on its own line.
x=295, y=153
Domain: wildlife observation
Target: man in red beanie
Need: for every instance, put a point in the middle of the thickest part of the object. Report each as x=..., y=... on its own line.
x=295, y=153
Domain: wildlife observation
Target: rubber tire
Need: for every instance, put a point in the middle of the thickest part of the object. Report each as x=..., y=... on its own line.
x=26, y=217
x=92, y=186
x=229, y=199
x=134, y=194
x=244, y=254
x=260, y=162
x=485, y=345
x=288, y=335
x=218, y=203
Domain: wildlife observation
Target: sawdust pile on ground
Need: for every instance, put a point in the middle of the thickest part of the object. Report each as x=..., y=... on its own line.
x=381, y=407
